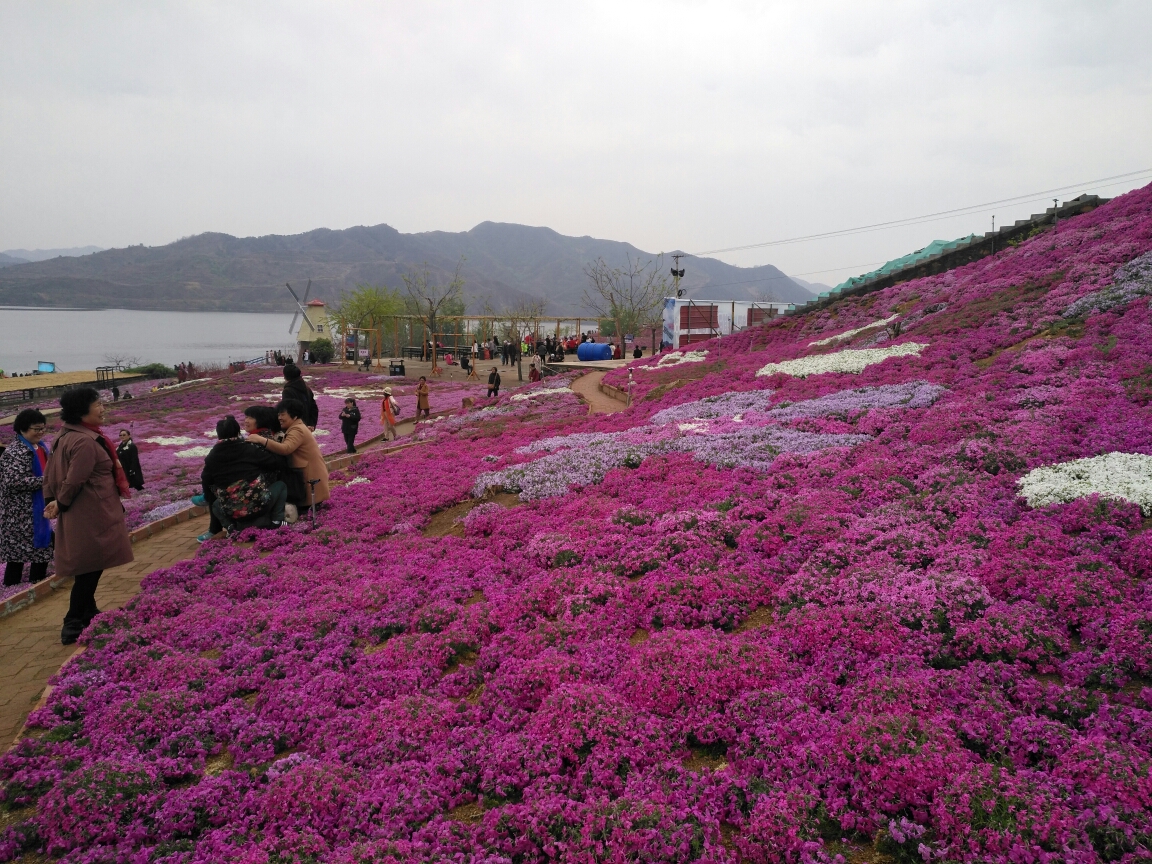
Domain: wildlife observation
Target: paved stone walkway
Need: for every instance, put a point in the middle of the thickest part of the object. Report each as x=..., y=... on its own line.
x=30, y=649
x=588, y=386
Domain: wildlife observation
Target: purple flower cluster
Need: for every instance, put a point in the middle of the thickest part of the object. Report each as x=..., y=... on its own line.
x=1131, y=280
x=866, y=652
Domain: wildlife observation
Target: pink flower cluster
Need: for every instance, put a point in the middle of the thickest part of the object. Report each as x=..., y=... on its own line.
x=877, y=649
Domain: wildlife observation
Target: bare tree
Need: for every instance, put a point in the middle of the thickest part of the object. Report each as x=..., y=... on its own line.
x=629, y=296
x=122, y=360
x=520, y=317
x=429, y=296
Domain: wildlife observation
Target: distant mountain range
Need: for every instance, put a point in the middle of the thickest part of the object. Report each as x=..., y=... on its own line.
x=23, y=256
x=502, y=263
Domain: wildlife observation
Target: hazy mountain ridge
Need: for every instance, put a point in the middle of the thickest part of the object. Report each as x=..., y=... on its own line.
x=23, y=256
x=503, y=263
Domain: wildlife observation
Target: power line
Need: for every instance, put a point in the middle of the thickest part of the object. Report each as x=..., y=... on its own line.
x=942, y=214
x=785, y=276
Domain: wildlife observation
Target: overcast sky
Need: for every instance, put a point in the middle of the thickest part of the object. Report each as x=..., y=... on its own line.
x=691, y=125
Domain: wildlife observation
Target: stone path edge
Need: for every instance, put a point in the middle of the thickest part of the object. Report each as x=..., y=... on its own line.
x=43, y=700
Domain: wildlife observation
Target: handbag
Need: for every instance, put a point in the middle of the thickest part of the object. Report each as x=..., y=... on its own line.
x=244, y=498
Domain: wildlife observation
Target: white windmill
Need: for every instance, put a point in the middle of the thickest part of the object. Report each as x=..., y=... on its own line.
x=314, y=320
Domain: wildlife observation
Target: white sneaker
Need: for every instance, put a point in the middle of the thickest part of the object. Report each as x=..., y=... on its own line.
x=291, y=514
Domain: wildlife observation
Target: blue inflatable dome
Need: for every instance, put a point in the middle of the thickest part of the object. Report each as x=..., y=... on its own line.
x=594, y=351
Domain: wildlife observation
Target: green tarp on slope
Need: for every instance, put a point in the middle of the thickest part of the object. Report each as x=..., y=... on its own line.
x=933, y=248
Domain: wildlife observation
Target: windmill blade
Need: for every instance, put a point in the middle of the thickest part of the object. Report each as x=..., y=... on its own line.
x=307, y=291
x=292, y=326
x=293, y=293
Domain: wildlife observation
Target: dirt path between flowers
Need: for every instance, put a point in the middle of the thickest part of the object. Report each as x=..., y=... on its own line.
x=588, y=388
x=30, y=649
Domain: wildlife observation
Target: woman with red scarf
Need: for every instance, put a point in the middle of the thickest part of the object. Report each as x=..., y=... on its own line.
x=83, y=487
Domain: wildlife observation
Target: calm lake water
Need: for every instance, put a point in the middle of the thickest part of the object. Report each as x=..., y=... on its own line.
x=81, y=339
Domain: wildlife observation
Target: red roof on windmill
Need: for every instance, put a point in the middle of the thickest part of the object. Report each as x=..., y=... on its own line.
x=315, y=302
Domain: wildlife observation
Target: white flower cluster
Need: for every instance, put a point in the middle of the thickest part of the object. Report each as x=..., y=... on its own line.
x=170, y=441
x=848, y=334
x=849, y=360
x=532, y=394
x=277, y=380
x=677, y=358
x=1127, y=476
x=193, y=453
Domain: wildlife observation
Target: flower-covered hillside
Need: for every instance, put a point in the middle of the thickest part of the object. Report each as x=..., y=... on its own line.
x=795, y=604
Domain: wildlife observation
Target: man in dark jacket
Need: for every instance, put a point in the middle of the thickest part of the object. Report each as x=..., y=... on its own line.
x=493, y=382
x=350, y=423
x=233, y=460
x=295, y=388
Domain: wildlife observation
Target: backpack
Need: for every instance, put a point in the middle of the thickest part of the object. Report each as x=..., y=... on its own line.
x=244, y=498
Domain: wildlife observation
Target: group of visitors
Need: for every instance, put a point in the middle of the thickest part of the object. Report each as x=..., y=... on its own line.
x=264, y=480
x=185, y=372
x=79, y=481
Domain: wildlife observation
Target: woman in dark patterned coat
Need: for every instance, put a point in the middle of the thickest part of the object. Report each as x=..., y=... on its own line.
x=25, y=535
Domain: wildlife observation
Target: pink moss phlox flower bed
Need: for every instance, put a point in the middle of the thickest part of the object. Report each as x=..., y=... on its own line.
x=870, y=648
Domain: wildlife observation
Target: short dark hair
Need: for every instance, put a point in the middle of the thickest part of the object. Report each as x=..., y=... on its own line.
x=349, y=399
x=75, y=403
x=227, y=427
x=291, y=372
x=127, y=432
x=294, y=408
x=265, y=417
x=423, y=377
x=26, y=419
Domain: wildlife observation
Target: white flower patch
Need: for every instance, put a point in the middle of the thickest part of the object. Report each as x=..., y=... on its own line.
x=280, y=380
x=211, y=433
x=677, y=358
x=849, y=360
x=848, y=334
x=321, y=432
x=356, y=481
x=171, y=441
x=357, y=392
x=550, y=391
x=193, y=453
x=700, y=426
x=1126, y=476
x=182, y=384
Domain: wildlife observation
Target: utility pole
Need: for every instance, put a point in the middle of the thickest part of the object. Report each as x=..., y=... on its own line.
x=677, y=272
x=993, y=233
x=1055, y=213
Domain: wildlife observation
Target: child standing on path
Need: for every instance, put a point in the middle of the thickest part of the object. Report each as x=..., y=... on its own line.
x=350, y=423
